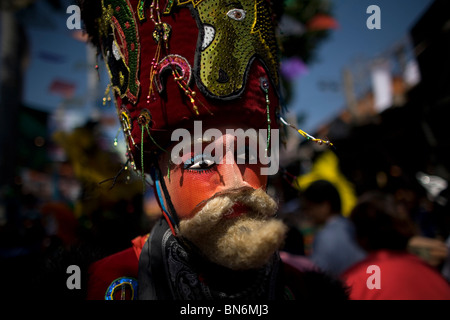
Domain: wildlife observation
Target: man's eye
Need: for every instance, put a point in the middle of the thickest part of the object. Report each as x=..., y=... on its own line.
x=201, y=164
x=236, y=14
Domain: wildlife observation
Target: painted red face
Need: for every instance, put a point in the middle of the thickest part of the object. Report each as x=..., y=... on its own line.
x=201, y=172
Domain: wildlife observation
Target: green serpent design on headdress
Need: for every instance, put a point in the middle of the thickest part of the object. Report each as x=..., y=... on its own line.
x=232, y=34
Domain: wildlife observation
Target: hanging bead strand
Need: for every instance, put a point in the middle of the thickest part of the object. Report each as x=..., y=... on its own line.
x=161, y=35
x=306, y=135
x=265, y=88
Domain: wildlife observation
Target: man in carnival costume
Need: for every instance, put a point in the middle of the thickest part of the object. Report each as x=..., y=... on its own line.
x=197, y=92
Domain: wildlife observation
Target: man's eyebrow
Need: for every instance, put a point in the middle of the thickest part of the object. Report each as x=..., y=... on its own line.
x=200, y=141
x=194, y=141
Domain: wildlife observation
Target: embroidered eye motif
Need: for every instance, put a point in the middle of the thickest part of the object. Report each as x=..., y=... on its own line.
x=236, y=14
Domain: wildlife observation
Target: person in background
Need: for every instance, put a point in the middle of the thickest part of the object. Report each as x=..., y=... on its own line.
x=389, y=272
x=334, y=246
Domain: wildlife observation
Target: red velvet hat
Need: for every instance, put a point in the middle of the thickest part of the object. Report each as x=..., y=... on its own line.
x=172, y=62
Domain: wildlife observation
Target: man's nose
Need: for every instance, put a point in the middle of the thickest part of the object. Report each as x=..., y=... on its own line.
x=232, y=176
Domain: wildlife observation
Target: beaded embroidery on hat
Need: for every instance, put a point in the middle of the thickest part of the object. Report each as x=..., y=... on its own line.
x=120, y=47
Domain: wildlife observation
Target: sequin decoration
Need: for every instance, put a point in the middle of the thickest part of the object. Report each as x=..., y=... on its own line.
x=125, y=120
x=172, y=62
x=161, y=35
x=168, y=8
x=144, y=118
x=145, y=121
x=170, y=4
x=127, y=287
x=208, y=36
x=141, y=10
x=115, y=51
x=231, y=36
x=120, y=47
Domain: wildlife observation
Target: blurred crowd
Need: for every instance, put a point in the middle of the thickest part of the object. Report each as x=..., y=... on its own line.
x=390, y=246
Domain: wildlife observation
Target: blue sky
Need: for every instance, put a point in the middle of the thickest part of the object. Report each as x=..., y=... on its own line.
x=351, y=43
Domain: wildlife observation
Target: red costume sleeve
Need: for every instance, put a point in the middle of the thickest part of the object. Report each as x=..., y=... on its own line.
x=104, y=272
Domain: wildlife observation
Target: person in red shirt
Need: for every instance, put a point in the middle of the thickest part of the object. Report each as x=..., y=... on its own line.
x=389, y=272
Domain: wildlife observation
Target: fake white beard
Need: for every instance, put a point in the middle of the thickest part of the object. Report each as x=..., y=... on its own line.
x=239, y=243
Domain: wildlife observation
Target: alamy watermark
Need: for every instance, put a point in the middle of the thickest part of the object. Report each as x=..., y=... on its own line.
x=74, y=20
x=74, y=280
x=374, y=21
x=374, y=280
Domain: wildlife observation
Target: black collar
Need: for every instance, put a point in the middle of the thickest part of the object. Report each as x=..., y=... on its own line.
x=170, y=271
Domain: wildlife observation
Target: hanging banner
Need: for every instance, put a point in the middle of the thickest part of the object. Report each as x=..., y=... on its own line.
x=382, y=85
